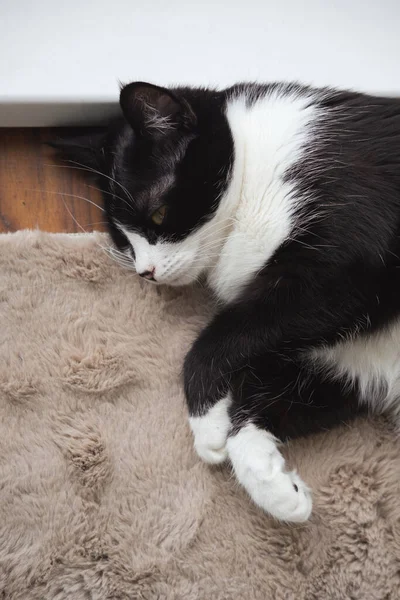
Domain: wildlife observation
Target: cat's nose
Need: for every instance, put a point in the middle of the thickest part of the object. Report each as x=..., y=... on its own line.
x=148, y=274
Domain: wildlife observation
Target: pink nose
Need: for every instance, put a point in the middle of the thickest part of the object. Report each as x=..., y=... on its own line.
x=148, y=274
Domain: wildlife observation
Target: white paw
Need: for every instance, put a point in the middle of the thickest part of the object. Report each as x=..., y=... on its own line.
x=211, y=431
x=259, y=467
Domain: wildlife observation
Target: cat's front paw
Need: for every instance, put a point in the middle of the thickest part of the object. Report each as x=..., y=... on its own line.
x=211, y=432
x=260, y=468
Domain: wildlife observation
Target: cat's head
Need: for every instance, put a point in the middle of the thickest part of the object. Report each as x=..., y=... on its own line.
x=163, y=168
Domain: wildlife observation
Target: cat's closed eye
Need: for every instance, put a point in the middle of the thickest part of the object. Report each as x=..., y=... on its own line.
x=158, y=215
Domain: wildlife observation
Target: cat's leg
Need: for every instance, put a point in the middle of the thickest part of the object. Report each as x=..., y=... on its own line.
x=208, y=399
x=287, y=311
x=271, y=404
x=210, y=431
x=260, y=468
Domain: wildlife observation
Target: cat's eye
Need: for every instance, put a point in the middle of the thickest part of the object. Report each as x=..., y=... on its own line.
x=158, y=215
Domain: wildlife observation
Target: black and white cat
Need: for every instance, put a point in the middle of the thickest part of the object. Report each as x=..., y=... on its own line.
x=287, y=200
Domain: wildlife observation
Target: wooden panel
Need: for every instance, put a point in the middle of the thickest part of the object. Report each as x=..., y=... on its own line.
x=37, y=191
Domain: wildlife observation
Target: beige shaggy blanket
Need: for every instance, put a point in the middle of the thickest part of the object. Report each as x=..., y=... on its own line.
x=101, y=494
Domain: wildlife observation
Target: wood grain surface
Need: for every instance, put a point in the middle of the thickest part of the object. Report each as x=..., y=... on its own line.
x=39, y=191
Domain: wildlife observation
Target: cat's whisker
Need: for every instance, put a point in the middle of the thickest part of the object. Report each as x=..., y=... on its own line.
x=121, y=256
x=81, y=167
x=68, y=195
x=72, y=216
x=205, y=257
x=219, y=221
x=217, y=237
x=210, y=225
x=93, y=187
x=96, y=223
x=127, y=264
x=123, y=265
x=92, y=170
x=117, y=254
x=70, y=212
x=214, y=228
x=213, y=244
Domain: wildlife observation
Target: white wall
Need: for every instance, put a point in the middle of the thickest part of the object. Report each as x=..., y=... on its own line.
x=60, y=63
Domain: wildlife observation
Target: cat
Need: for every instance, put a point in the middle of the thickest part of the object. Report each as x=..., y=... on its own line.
x=286, y=200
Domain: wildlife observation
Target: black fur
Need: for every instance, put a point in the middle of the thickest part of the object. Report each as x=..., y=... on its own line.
x=340, y=275
x=198, y=149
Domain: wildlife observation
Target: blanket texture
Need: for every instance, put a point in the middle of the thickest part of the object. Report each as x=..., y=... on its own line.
x=101, y=493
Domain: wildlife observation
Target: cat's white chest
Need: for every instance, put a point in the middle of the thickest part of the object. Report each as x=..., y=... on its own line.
x=244, y=253
x=269, y=138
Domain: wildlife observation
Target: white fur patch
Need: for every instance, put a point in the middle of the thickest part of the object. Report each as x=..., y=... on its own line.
x=373, y=361
x=259, y=467
x=255, y=214
x=211, y=431
x=268, y=139
x=174, y=263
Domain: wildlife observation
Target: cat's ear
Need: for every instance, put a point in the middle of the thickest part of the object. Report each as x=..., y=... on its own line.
x=154, y=111
x=83, y=150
